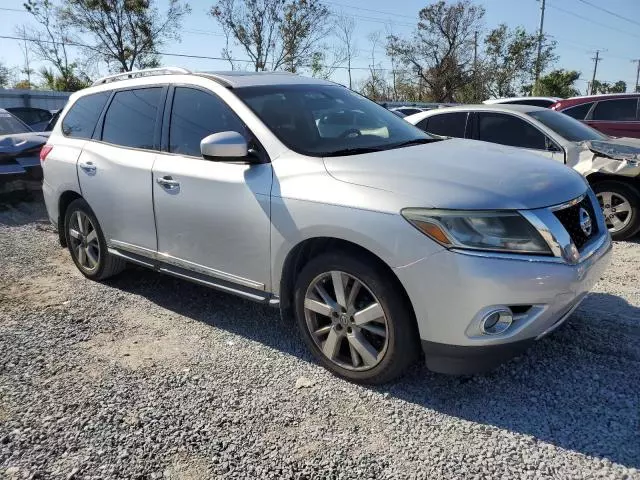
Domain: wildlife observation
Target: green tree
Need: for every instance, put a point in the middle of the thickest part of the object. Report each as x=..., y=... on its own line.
x=22, y=85
x=125, y=33
x=558, y=83
x=510, y=60
x=440, y=51
x=51, y=81
x=5, y=75
x=604, y=87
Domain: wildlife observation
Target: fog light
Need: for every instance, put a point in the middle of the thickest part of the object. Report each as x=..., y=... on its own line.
x=496, y=322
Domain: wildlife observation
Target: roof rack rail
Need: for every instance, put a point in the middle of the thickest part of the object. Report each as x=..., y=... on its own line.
x=147, y=72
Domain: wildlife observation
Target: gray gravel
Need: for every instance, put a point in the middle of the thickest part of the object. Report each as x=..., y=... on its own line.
x=150, y=377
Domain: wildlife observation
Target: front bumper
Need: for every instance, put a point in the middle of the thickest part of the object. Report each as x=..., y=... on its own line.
x=451, y=291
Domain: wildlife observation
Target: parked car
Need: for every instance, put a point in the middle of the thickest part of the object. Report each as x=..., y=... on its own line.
x=612, y=166
x=545, y=102
x=378, y=243
x=19, y=148
x=615, y=115
x=36, y=118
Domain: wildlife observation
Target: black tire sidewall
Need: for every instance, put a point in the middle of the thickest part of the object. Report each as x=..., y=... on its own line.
x=631, y=194
x=81, y=205
x=402, y=331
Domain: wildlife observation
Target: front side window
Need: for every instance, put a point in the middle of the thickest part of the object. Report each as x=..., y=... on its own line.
x=10, y=125
x=567, y=127
x=509, y=130
x=579, y=112
x=326, y=120
x=130, y=120
x=624, y=109
x=448, y=124
x=81, y=119
x=195, y=115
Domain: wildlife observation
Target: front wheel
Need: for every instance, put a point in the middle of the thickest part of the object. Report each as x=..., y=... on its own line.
x=620, y=205
x=354, y=319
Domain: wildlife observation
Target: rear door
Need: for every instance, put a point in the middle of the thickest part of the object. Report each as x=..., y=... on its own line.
x=115, y=169
x=453, y=124
x=212, y=217
x=507, y=129
x=617, y=117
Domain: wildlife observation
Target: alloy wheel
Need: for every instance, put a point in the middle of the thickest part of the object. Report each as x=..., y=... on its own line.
x=346, y=321
x=616, y=209
x=84, y=241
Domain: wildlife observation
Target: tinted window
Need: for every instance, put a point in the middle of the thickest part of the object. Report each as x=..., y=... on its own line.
x=567, y=127
x=31, y=115
x=448, y=124
x=323, y=120
x=579, y=111
x=10, y=125
x=81, y=119
x=409, y=111
x=535, y=103
x=130, y=120
x=509, y=130
x=195, y=115
x=620, y=110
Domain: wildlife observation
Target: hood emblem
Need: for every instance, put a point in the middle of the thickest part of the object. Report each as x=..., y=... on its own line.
x=585, y=222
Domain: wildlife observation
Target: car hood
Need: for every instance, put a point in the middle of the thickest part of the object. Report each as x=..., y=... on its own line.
x=462, y=174
x=16, y=143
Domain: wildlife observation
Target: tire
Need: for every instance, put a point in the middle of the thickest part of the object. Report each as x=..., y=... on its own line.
x=95, y=263
x=617, y=192
x=394, y=352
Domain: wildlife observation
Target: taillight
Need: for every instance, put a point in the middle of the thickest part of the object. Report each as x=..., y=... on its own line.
x=44, y=152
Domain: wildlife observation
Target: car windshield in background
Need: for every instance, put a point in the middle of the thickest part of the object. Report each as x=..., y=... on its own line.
x=325, y=120
x=567, y=127
x=9, y=125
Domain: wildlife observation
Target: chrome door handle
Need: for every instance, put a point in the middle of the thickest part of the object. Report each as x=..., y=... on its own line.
x=88, y=167
x=168, y=182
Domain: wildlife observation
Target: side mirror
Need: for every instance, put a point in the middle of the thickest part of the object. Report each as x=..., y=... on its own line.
x=229, y=146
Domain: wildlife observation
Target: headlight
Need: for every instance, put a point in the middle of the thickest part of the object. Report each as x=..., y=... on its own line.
x=478, y=230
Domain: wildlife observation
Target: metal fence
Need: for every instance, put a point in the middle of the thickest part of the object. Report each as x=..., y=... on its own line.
x=49, y=100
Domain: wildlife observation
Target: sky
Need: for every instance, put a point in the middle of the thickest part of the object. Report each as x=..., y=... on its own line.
x=578, y=28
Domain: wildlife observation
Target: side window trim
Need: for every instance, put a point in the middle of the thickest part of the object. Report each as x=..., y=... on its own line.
x=467, y=125
x=590, y=118
x=98, y=133
x=166, y=121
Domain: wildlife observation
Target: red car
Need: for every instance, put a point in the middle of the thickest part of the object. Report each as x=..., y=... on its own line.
x=615, y=114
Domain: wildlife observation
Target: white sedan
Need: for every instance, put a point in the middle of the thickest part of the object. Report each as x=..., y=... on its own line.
x=611, y=165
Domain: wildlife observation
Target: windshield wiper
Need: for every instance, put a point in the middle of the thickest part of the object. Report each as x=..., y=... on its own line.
x=415, y=141
x=352, y=151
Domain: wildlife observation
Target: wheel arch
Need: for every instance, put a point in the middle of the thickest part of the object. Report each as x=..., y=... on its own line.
x=597, y=177
x=63, y=203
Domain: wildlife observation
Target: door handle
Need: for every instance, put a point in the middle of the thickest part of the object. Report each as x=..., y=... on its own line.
x=168, y=182
x=88, y=167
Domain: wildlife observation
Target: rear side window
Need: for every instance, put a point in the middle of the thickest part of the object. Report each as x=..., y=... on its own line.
x=579, y=112
x=624, y=109
x=196, y=114
x=81, y=119
x=535, y=103
x=509, y=130
x=447, y=124
x=130, y=120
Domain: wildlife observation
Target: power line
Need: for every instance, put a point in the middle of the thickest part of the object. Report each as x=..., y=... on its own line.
x=614, y=14
x=371, y=10
x=587, y=19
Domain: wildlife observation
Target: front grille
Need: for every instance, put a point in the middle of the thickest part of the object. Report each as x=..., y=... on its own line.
x=570, y=219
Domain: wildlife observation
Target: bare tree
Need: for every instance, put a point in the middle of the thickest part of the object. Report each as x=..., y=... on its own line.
x=344, y=30
x=275, y=34
x=441, y=50
x=126, y=33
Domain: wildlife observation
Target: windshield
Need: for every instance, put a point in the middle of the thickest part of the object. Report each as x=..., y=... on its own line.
x=325, y=120
x=567, y=127
x=10, y=125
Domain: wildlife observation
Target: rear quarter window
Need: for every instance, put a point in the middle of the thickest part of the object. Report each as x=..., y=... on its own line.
x=82, y=117
x=447, y=124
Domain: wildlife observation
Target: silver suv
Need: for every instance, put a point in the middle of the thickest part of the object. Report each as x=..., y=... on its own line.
x=381, y=241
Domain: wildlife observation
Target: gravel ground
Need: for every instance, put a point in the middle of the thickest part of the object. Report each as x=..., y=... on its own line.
x=146, y=376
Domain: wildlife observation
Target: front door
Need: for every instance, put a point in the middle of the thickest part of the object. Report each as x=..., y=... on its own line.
x=115, y=170
x=211, y=217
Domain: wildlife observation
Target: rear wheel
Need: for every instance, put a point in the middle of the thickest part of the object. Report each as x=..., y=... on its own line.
x=620, y=205
x=354, y=319
x=86, y=243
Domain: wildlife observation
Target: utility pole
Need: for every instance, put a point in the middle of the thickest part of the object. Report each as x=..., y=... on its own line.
x=596, y=59
x=540, y=37
x=475, y=67
x=637, y=75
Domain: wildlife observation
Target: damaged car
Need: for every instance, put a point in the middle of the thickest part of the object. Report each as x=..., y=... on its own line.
x=19, y=148
x=610, y=164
